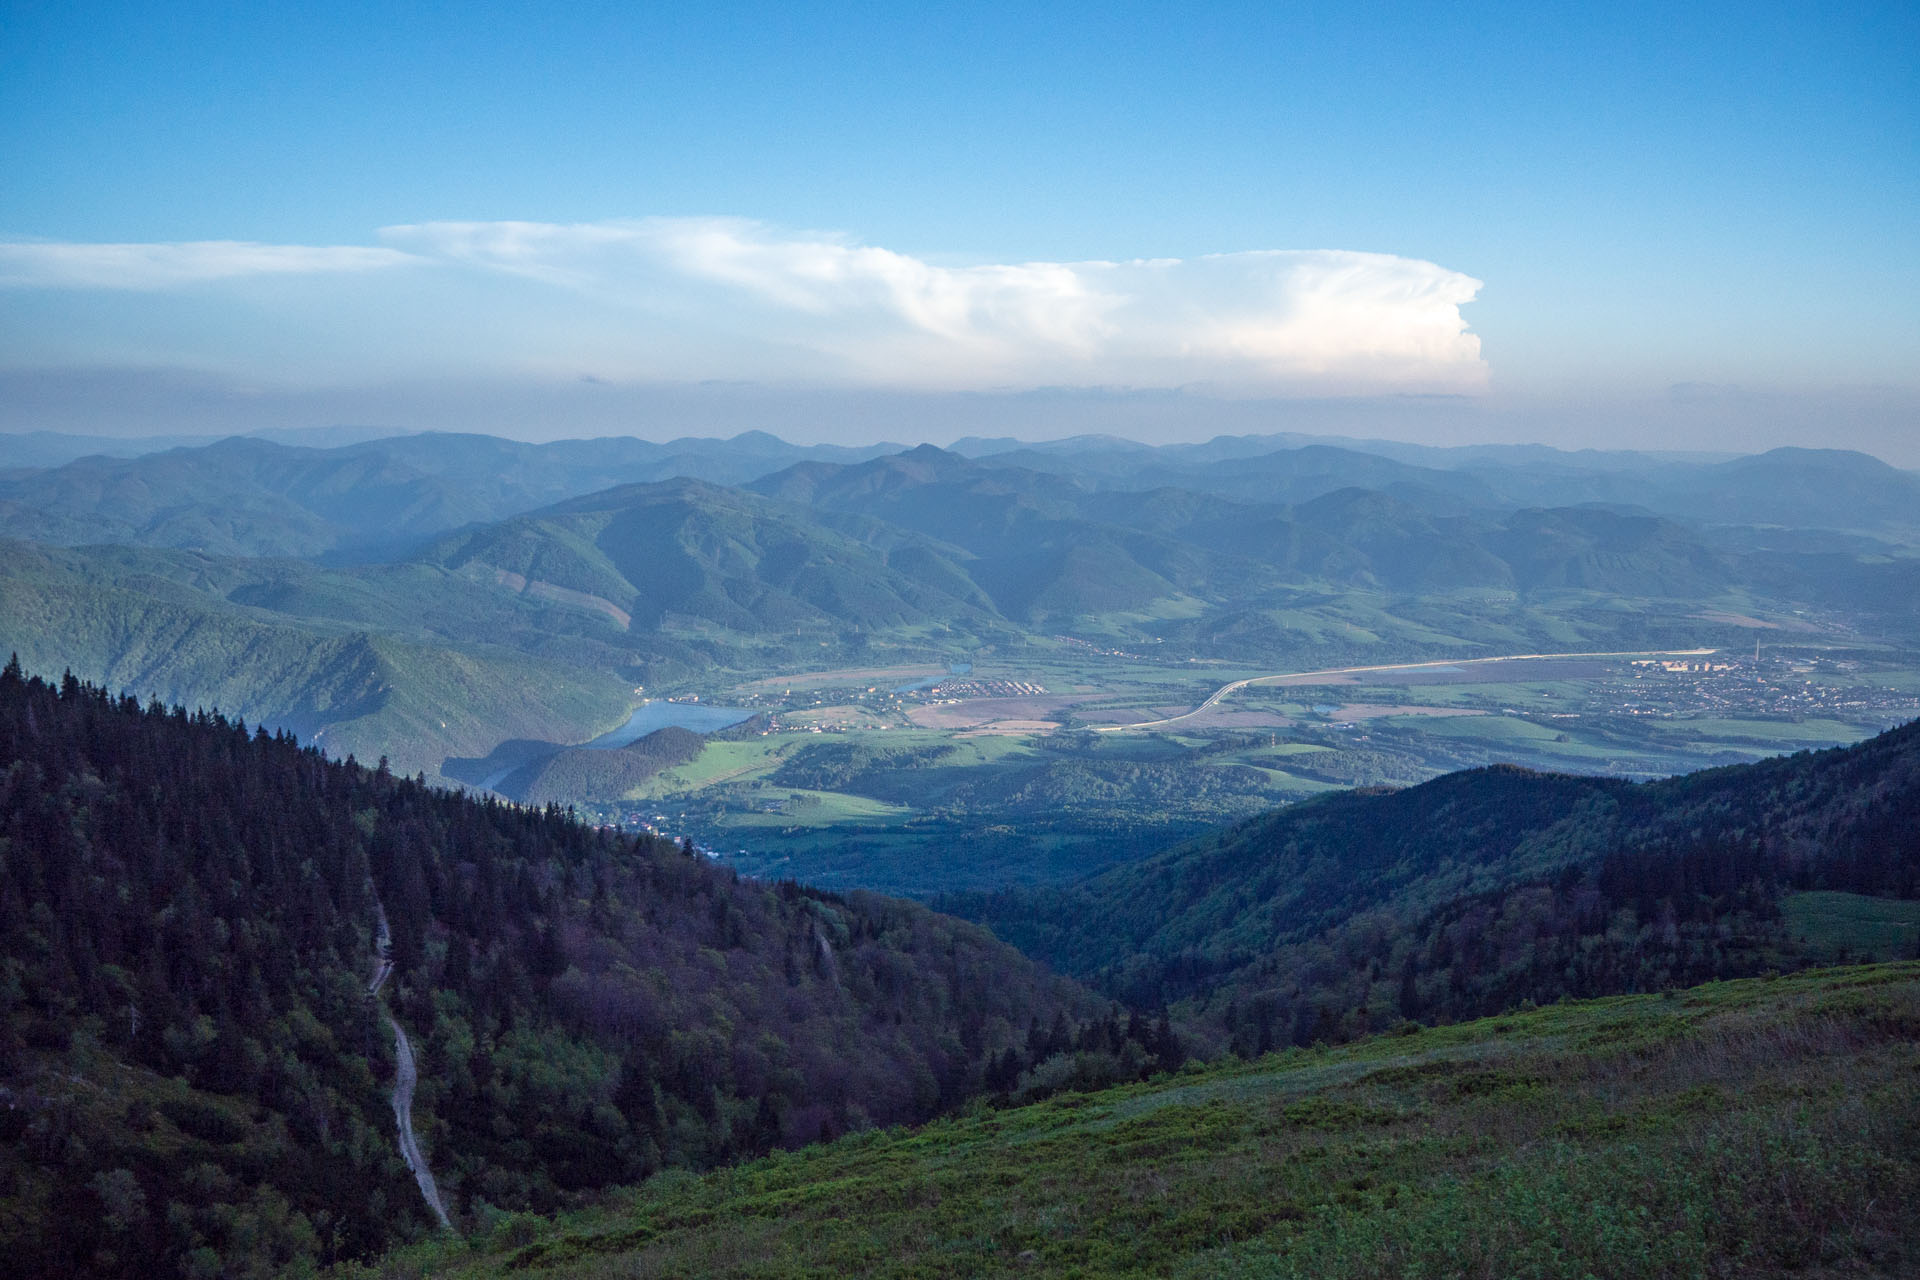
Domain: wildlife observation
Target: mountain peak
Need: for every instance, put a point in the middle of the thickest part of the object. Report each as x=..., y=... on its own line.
x=764, y=441
x=1800, y=458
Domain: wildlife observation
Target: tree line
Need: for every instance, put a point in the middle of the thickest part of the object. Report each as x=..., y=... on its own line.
x=195, y=1077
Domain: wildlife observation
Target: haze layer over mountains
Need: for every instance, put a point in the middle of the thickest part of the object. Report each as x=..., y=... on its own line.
x=433, y=596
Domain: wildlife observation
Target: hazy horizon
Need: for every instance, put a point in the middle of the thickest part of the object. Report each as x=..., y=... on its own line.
x=1577, y=228
x=1686, y=420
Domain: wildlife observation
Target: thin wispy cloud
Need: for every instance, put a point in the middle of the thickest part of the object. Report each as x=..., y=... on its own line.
x=674, y=298
x=57, y=265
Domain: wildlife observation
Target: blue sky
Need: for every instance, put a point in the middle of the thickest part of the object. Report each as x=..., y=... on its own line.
x=1540, y=207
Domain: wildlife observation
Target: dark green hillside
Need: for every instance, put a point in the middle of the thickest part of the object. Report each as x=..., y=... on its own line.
x=1402, y=547
x=1755, y=1129
x=1040, y=546
x=407, y=662
x=236, y=497
x=585, y=771
x=1043, y=545
x=1597, y=550
x=687, y=556
x=1471, y=893
x=194, y=1075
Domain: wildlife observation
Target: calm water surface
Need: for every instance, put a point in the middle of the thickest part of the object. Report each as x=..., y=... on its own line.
x=697, y=716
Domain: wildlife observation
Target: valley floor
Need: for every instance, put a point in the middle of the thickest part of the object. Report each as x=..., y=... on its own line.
x=858, y=783
x=1754, y=1128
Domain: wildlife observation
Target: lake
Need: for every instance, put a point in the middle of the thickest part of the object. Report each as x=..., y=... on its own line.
x=697, y=716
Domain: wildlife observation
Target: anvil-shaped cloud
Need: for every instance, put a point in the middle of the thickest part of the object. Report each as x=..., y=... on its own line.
x=670, y=298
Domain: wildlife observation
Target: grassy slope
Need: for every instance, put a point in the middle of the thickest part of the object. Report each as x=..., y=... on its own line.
x=1842, y=926
x=1754, y=1128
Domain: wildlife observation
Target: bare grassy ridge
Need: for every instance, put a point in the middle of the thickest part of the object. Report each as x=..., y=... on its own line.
x=1753, y=1128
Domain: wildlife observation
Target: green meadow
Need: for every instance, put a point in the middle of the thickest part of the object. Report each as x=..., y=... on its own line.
x=1845, y=926
x=1766, y=1127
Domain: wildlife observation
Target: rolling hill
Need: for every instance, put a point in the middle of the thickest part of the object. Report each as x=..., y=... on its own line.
x=536, y=628
x=247, y=496
x=1046, y=545
x=689, y=557
x=1030, y=547
x=1787, y=487
x=1759, y=1128
x=565, y=776
x=1467, y=894
x=363, y=664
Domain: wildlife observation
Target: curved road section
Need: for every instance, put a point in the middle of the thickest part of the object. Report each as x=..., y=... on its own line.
x=1225, y=690
x=406, y=1075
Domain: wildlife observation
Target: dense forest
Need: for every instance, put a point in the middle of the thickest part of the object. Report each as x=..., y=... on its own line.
x=1478, y=891
x=195, y=1077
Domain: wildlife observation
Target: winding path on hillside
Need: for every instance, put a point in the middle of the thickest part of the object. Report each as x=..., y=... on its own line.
x=405, y=1076
x=1213, y=700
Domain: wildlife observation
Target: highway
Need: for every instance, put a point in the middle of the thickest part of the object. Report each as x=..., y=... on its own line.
x=1214, y=699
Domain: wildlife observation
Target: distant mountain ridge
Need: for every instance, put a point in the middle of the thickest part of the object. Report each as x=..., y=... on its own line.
x=392, y=613
x=249, y=496
x=1788, y=486
x=279, y=496
x=685, y=549
x=1043, y=543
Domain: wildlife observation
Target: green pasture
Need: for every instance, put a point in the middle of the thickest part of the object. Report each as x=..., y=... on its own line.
x=815, y=809
x=1771, y=736
x=727, y=760
x=1851, y=923
x=1762, y=1128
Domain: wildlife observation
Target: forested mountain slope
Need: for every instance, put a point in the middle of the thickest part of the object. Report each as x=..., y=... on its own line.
x=193, y=1070
x=1792, y=487
x=1478, y=890
x=404, y=660
x=685, y=555
x=1043, y=543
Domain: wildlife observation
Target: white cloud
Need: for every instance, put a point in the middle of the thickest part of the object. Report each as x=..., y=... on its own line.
x=161, y=266
x=1318, y=320
x=681, y=299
